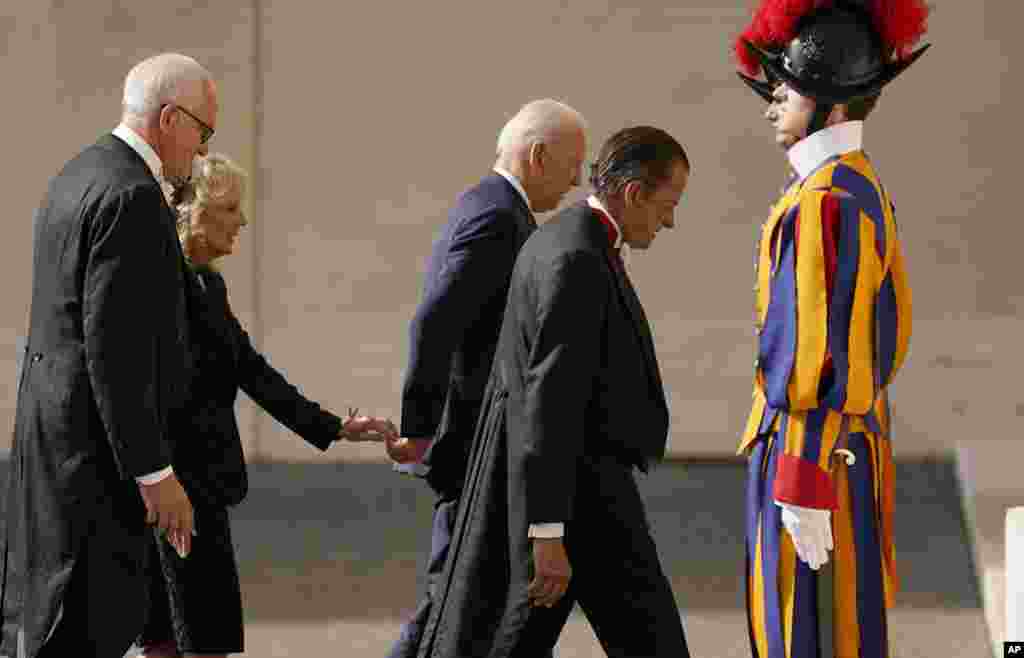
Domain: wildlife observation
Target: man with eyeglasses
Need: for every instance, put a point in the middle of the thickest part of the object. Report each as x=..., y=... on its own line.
x=205, y=131
x=107, y=357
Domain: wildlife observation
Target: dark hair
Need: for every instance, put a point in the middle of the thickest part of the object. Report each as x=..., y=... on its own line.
x=858, y=109
x=641, y=153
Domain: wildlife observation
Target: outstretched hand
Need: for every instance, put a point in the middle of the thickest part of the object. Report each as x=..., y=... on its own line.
x=367, y=428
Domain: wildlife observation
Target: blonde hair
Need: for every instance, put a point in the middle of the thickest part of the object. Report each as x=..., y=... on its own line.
x=213, y=177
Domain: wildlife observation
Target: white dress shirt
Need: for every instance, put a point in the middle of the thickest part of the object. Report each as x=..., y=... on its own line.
x=812, y=151
x=140, y=146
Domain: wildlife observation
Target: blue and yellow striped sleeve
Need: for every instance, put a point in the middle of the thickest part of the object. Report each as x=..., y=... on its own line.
x=834, y=314
x=816, y=344
x=834, y=272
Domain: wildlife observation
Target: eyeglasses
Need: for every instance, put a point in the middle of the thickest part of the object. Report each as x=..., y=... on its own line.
x=205, y=131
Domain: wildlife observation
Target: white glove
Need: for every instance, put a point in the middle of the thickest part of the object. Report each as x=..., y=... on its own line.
x=811, y=531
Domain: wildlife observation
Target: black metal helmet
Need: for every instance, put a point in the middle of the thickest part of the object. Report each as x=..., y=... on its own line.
x=830, y=51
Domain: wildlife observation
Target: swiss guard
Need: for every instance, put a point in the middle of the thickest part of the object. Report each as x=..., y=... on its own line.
x=833, y=320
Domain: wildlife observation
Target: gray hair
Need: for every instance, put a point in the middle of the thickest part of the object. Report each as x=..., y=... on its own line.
x=541, y=121
x=160, y=80
x=213, y=176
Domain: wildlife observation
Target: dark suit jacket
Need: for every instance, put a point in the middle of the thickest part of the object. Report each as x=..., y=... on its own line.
x=106, y=360
x=452, y=337
x=208, y=454
x=578, y=362
x=575, y=390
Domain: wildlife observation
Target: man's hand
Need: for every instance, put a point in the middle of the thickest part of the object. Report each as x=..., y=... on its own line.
x=811, y=531
x=168, y=508
x=367, y=428
x=551, y=573
x=406, y=451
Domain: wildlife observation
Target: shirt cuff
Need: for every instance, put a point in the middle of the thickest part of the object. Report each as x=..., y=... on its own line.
x=416, y=469
x=546, y=531
x=158, y=476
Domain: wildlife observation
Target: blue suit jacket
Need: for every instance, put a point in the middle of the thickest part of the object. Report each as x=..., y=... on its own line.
x=453, y=335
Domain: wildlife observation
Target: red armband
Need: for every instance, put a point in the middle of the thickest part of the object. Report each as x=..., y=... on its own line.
x=804, y=483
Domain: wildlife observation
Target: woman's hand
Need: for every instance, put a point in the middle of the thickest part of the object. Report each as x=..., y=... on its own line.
x=367, y=428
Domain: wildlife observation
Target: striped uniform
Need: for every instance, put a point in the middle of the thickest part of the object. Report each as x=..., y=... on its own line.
x=833, y=316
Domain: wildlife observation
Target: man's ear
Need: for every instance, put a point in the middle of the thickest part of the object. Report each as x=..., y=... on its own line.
x=537, y=152
x=166, y=118
x=837, y=115
x=632, y=193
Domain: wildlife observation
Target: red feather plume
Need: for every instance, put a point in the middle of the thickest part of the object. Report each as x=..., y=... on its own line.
x=901, y=23
x=774, y=24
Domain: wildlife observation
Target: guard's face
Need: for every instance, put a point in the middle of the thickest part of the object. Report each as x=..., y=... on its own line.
x=790, y=114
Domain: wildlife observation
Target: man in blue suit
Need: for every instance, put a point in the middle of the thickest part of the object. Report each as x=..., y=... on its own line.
x=453, y=335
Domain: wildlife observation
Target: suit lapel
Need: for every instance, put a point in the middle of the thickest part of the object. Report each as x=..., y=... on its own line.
x=642, y=327
x=527, y=223
x=114, y=142
x=635, y=311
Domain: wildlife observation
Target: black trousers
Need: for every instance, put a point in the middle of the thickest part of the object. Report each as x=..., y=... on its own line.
x=617, y=578
x=196, y=602
x=408, y=643
x=104, y=606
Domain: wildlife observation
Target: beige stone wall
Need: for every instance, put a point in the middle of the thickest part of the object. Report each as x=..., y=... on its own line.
x=26, y=33
x=67, y=62
x=362, y=121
